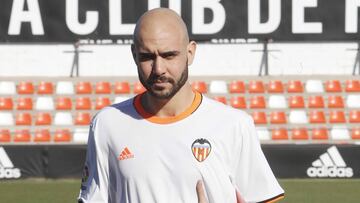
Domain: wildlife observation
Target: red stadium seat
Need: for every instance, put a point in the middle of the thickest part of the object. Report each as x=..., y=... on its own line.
x=42, y=135
x=103, y=88
x=320, y=134
x=237, y=86
x=354, y=116
x=221, y=99
x=5, y=135
x=259, y=117
x=299, y=134
x=275, y=86
x=63, y=103
x=355, y=133
x=199, y=86
x=278, y=117
x=256, y=86
x=22, y=135
x=279, y=134
x=317, y=117
x=296, y=102
x=316, y=102
x=122, y=88
x=62, y=135
x=138, y=88
x=295, y=86
x=43, y=119
x=45, y=88
x=82, y=118
x=24, y=103
x=333, y=86
x=6, y=103
x=23, y=118
x=337, y=117
x=83, y=103
x=238, y=102
x=352, y=86
x=83, y=87
x=335, y=101
x=102, y=102
x=25, y=88
x=257, y=102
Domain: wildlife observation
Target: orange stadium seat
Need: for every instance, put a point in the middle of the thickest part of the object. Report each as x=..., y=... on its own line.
x=102, y=102
x=257, y=102
x=237, y=86
x=296, y=101
x=43, y=119
x=299, y=134
x=83, y=103
x=102, y=88
x=333, y=86
x=82, y=118
x=279, y=134
x=63, y=103
x=122, y=88
x=337, y=117
x=83, y=87
x=25, y=88
x=316, y=102
x=6, y=103
x=319, y=134
x=354, y=116
x=22, y=135
x=355, y=133
x=256, y=86
x=317, y=117
x=221, y=99
x=278, y=117
x=199, y=86
x=259, y=117
x=24, y=103
x=5, y=135
x=275, y=86
x=42, y=135
x=352, y=86
x=335, y=101
x=23, y=118
x=62, y=135
x=45, y=88
x=138, y=88
x=295, y=86
x=238, y=102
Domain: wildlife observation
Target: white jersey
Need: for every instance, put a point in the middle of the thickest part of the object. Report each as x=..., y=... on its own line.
x=135, y=157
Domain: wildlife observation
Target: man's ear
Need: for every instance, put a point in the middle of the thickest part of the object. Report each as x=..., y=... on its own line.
x=191, y=49
x=133, y=51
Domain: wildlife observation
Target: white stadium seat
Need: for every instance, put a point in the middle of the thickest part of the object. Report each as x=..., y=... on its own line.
x=65, y=87
x=314, y=86
x=218, y=87
x=63, y=118
x=7, y=87
x=353, y=101
x=339, y=132
x=263, y=134
x=81, y=135
x=44, y=103
x=277, y=102
x=6, y=118
x=298, y=117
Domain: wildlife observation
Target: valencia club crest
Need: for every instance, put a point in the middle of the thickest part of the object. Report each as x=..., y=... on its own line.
x=201, y=149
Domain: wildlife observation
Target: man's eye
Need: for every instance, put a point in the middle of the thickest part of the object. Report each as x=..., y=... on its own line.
x=143, y=58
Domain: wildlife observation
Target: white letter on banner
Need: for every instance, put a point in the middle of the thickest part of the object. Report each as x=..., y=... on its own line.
x=254, y=16
x=198, y=16
x=18, y=16
x=115, y=21
x=351, y=16
x=173, y=5
x=72, y=19
x=298, y=17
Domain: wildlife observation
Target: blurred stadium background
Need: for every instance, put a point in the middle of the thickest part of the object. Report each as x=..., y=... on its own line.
x=293, y=65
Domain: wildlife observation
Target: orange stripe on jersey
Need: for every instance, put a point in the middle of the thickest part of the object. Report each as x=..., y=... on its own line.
x=274, y=199
x=160, y=120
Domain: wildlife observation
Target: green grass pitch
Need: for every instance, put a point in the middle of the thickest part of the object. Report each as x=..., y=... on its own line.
x=66, y=190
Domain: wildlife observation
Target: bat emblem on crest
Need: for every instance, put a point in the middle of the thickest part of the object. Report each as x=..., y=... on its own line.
x=201, y=149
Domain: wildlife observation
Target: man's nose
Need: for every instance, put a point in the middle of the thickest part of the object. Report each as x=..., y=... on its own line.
x=158, y=67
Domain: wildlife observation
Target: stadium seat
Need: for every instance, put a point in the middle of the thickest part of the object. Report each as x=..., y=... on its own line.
x=83, y=87
x=45, y=88
x=102, y=88
x=295, y=86
x=237, y=86
x=6, y=103
x=23, y=118
x=63, y=118
x=63, y=103
x=337, y=117
x=44, y=103
x=218, y=87
x=279, y=134
x=353, y=101
x=319, y=134
x=6, y=119
x=5, y=135
x=352, y=86
x=62, y=135
x=83, y=103
x=25, y=88
x=299, y=134
x=81, y=135
x=355, y=133
x=65, y=87
x=257, y=102
x=316, y=102
x=335, y=101
x=298, y=117
x=102, y=102
x=263, y=134
x=259, y=117
x=221, y=99
x=122, y=88
x=333, y=86
x=119, y=99
x=138, y=88
x=296, y=101
x=256, y=86
x=42, y=135
x=277, y=102
x=314, y=86
x=199, y=86
x=82, y=118
x=278, y=117
x=24, y=103
x=275, y=86
x=238, y=102
x=317, y=117
x=354, y=116
x=22, y=135
x=7, y=88
x=339, y=133
x=43, y=119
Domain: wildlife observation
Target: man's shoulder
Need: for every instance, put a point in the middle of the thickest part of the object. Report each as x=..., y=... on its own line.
x=125, y=107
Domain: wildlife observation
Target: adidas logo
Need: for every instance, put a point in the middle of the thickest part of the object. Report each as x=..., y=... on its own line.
x=7, y=169
x=330, y=164
x=125, y=154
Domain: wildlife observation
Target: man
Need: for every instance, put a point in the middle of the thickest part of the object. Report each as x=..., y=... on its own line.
x=172, y=144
